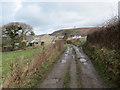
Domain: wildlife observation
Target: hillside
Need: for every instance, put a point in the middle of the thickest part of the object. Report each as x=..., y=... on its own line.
x=76, y=31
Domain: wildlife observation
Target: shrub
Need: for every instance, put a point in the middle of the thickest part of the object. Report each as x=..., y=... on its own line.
x=107, y=36
x=103, y=47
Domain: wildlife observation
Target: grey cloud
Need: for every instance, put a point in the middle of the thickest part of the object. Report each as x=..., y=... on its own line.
x=47, y=17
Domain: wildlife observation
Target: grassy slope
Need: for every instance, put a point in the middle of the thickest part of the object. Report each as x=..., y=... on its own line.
x=9, y=57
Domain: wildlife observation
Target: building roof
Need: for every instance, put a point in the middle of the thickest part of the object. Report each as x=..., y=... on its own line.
x=39, y=36
x=53, y=37
x=61, y=37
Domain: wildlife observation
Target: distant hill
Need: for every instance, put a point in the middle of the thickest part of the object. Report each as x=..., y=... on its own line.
x=76, y=31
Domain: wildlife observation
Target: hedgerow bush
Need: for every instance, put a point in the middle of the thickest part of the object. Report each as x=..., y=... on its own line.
x=107, y=36
x=103, y=47
x=107, y=64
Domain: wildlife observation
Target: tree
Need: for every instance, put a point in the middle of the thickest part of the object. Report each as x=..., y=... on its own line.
x=16, y=32
x=65, y=37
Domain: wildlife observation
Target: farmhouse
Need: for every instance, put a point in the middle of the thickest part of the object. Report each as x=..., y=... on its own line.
x=82, y=37
x=46, y=38
x=29, y=38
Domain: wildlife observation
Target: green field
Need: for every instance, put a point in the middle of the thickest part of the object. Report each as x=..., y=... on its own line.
x=9, y=57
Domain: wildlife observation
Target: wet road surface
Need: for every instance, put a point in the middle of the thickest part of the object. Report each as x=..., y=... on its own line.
x=88, y=75
x=56, y=77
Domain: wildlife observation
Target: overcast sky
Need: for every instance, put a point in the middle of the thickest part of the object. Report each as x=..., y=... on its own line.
x=46, y=17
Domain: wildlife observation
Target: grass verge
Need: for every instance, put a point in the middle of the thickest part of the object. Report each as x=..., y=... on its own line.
x=66, y=83
x=78, y=70
x=78, y=43
x=33, y=80
x=12, y=57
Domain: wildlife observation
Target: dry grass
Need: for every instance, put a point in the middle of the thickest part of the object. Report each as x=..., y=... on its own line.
x=19, y=72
